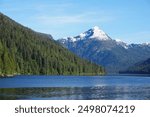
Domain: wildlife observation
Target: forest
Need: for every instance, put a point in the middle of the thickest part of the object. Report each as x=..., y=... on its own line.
x=24, y=51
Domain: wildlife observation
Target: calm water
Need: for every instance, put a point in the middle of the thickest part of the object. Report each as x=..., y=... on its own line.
x=76, y=87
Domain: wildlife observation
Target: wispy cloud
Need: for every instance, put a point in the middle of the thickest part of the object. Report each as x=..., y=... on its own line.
x=39, y=6
x=87, y=17
x=50, y=8
x=55, y=13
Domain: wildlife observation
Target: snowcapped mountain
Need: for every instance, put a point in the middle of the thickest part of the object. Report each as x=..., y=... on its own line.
x=96, y=46
x=94, y=33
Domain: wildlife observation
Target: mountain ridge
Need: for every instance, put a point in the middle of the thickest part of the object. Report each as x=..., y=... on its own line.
x=142, y=67
x=113, y=54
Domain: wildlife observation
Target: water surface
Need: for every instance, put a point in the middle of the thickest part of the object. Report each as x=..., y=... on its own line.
x=76, y=87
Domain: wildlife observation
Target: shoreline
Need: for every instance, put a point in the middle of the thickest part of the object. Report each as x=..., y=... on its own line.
x=7, y=76
x=13, y=75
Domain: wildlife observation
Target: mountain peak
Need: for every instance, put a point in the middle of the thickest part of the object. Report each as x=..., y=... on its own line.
x=93, y=33
x=99, y=34
x=96, y=28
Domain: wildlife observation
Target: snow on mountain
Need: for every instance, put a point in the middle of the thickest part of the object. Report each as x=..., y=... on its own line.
x=118, y=40
x=99, y=34
x=93, y=33
x=146, y=44
x=96, y=33
x=123, y=44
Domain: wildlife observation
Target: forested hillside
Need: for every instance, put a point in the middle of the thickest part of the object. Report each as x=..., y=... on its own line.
x=24, y=51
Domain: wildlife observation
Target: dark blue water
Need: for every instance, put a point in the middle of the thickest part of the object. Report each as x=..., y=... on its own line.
x=76, y=87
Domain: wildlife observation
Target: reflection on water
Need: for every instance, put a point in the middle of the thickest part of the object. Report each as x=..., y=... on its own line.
x=86, y=93
x=75, y=87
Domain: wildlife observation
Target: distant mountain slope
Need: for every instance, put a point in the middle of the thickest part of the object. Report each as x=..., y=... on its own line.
x=142, y=67
x=95, y=45
x=24, y=51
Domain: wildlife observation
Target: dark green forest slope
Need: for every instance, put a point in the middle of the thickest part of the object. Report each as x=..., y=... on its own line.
x=24, y=51
x=142, y=67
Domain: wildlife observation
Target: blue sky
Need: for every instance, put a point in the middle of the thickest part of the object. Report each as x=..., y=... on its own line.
x=128, y=20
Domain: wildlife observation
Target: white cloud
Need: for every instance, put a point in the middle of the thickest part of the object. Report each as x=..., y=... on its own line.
x=87, y=17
